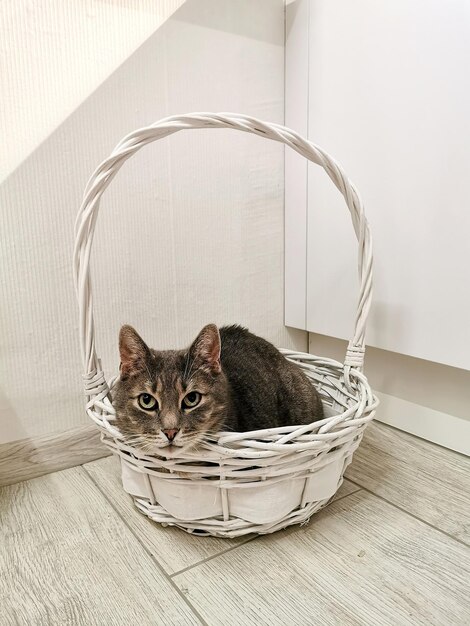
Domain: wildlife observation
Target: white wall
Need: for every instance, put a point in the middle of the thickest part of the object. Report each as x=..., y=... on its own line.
x=388, y=96
x=385, y=88
x=427, y=399
x=190, y=231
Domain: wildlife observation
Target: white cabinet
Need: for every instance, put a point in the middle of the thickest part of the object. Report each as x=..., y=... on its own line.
x=385, y=89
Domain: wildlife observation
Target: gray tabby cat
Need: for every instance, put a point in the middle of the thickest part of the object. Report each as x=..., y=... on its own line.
x=226, y=380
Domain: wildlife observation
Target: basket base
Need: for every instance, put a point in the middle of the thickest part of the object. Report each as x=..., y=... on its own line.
x=231, y=528
x=257, y=504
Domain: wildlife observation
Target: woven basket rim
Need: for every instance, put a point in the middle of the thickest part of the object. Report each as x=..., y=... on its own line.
x=249, y=444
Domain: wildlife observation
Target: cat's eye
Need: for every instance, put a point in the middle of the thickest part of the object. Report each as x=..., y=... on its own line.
x=147, y=402
x=191, y=400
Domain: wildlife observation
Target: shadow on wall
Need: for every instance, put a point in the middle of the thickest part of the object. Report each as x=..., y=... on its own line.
x=263, y=25
x=159, y=262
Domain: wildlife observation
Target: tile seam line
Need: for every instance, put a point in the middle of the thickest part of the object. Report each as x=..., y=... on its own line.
x=403, y=510
x=167, y=576
x=292, y=529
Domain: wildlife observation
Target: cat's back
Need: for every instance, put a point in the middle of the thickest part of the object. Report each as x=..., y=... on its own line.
x=268, y=390
x=239, y=346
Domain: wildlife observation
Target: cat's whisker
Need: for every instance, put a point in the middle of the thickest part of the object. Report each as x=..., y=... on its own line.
x=150, y=446
x=136, y=441
x=186, y=365
x=133, y=438
x=188, y=375
x=193, y=442
x=132, y=443
x=145, y=443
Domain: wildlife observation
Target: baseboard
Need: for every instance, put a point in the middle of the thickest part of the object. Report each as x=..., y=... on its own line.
x=441, y=428
x=30, y=458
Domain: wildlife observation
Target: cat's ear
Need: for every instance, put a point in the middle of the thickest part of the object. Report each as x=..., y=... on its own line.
x=205, y=349
x=133, y=351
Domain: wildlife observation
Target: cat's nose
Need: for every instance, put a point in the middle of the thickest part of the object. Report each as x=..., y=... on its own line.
x=171, y=433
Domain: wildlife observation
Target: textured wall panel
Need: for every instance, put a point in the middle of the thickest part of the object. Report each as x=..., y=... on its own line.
x=190, y=231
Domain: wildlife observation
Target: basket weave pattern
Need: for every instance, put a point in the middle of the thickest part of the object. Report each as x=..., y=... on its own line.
x=241, y=483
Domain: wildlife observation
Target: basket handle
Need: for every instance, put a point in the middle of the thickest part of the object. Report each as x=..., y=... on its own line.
x=104, y=174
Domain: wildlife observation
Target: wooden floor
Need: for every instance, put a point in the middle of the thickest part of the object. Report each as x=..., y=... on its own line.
x=393, y=548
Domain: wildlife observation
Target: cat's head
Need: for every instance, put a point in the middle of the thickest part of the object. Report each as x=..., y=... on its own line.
x=172, y=398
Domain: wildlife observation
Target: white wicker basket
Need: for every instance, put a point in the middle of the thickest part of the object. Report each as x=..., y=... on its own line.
x=245, y=482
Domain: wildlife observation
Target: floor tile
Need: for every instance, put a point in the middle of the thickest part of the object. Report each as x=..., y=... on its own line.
x=67, y=558
x=172, y=547
x=346, y=488
x=430, y=482
x=359, y=561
